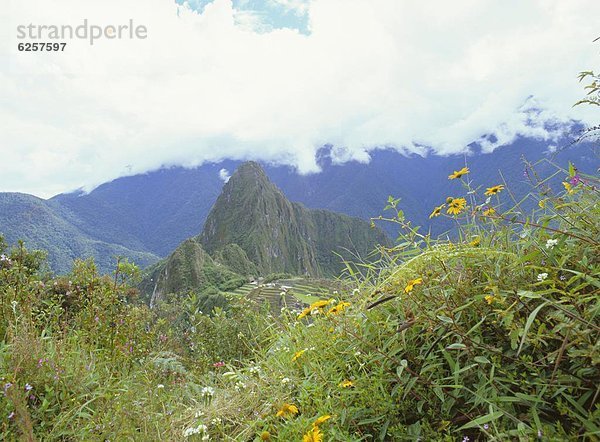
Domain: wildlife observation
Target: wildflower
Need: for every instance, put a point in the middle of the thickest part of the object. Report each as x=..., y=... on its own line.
x=287, y=410
x=539, y=434
x=456, y=205
x=297, y=355
x=265, y=435
x=304, y=313
x=197, y=430
x=490, y=211
x=437, y=211
x=160, y=386
x=489, y=299
x=551, y=243
x=219, y=364
x=28, y=387
x=542, y=204
x=458, y=173
x=466, y=439
x=11, y=415
x=207, y=391
x=494, y=190
x=319, y=304
x=411, y=284
x=338, y=308
x=347, y=384
x=568, y=187
x=486, y=427
x=321, y=419
x=285, y=381
x=542, y=276
x=475, y=242
x=314, y=435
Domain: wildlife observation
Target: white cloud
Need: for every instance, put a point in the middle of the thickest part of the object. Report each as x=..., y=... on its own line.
x=224, y=175
x=205, y=87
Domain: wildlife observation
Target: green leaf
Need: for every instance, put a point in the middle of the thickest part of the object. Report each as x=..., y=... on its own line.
x=482, y=420
x=530, y=320
x=456, y=346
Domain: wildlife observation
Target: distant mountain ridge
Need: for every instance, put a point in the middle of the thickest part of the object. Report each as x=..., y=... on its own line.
x=146, y=216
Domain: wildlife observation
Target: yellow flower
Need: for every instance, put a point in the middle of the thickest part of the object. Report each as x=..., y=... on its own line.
x=265, y=435
x=437, y=211
x=475, y=242
x=321, y=419
x=489, y=299
x=542, y=204
x=568, y=187
x=489, y=211
x=287, y=410
x=314, y=435
x=305, y=312
x=456, y=206
x=411, y=284
x=298, y=354
x=458, y=173
x=494, y=190
x=347, y=384
x=319, y=304
x=338, y=308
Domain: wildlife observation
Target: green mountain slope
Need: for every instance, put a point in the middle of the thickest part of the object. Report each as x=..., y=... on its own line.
x=42, y=226
x=281, y=236
x=188, y=268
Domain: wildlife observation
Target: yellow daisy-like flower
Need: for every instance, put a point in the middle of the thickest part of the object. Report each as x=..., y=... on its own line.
x=297, y=355
x=287, y=410
x=437, y=211
x=347, y=384
x=265, y=435
x=411, y=284
x=314, y=435
x=319, y=304
x=304, y=313
x=490, y=211
x=475, y=242
x=494, y=190
x=489, y=299
x=458, y=173
x=456, y=205
x=340, y=307
x=321, y=419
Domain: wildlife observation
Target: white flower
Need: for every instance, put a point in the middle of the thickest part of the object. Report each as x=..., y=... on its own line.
x=198, y=414
x=216, y=421
x=190, y=431
x=542, y=276
x=551, y=243
x=159, y=386
x=208, y=391
x=286, y=381
x=197, y=430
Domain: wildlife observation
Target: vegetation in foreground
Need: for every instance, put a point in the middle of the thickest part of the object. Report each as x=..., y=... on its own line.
x=490, y=336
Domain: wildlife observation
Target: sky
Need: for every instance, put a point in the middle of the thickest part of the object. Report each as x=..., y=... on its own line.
x=275, y=80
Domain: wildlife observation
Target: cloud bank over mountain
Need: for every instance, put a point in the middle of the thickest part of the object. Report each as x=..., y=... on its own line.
x=203, y=87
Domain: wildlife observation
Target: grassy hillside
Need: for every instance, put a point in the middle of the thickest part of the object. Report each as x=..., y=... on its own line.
x=494, y=335
x=41, y=225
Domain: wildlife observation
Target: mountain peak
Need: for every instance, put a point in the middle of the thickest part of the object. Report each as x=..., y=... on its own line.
x=250, y=170
x=276, y=234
